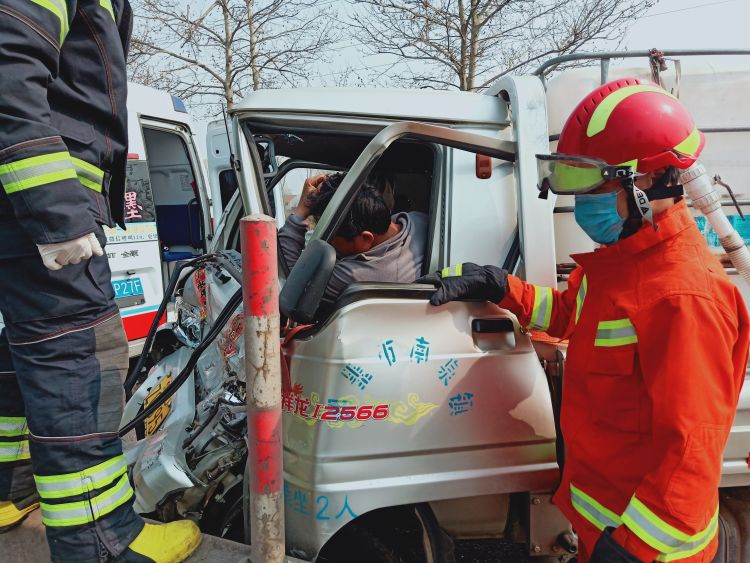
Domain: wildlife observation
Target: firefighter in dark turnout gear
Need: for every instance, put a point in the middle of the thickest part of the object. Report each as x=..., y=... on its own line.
x=63, y=142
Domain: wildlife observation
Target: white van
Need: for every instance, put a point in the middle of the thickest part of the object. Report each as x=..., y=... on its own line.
x=167, y=211
x=221, y=178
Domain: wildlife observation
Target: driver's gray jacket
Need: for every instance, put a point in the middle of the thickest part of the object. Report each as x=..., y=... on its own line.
x=399, y=259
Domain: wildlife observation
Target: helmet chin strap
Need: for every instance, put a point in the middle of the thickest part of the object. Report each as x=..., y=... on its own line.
x=639, y=206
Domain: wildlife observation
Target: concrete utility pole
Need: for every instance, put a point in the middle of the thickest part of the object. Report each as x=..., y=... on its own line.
x=260, y=293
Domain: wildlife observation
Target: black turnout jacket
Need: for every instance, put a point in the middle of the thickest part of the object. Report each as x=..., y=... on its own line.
x=63, y=118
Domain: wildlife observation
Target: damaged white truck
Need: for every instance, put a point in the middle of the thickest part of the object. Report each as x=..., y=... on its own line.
x=406, y=428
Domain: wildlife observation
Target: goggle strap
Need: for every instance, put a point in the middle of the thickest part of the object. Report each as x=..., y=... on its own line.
x=544, y=189
x=642, y=204
x=664, y=192
x=617, y=172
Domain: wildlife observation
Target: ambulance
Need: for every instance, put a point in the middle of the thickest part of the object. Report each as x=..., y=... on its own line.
x=167, y=209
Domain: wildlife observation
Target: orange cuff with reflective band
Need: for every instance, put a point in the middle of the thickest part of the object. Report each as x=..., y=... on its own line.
x=634, y=545
x=639, y=525
x=516, y=298
x=545, y=309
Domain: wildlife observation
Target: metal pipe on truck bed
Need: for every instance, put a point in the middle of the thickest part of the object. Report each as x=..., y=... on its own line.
x=260, y=290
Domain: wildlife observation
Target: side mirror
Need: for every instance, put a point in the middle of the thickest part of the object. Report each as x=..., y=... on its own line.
x=304, y=288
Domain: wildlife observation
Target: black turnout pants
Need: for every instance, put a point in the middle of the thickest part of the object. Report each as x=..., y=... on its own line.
x=63, y=353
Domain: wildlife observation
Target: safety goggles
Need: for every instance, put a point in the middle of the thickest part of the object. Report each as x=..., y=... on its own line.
x=564, y=174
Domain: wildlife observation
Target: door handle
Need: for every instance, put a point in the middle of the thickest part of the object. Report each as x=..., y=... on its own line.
x=486, y=326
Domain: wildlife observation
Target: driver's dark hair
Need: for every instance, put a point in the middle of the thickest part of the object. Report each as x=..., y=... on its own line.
x=369, y=211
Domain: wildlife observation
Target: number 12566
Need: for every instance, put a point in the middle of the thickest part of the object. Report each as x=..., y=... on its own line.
x=363, y=412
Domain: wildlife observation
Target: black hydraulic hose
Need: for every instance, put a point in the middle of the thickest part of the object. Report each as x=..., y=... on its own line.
x=172, y=388
x=174, y=278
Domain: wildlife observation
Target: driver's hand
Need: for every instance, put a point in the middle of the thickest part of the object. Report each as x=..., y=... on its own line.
x=467, y=281
x=309, y=188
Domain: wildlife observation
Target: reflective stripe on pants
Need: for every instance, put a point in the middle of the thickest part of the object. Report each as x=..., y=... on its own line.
x=68, y=324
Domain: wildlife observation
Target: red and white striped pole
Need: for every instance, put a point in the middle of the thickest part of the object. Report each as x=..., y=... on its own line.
x=260, y=295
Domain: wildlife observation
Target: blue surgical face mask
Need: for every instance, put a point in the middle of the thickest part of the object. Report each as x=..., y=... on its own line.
x=597, y=215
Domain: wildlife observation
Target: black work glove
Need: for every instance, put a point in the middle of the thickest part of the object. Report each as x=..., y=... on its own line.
x=467, y=281
x=608, y=550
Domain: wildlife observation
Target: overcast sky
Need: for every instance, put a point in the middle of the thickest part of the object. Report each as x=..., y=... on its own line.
x=692, y=24
x=671, y=24
x=675, y=24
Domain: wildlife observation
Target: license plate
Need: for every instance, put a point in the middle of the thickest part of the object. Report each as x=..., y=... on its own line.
x=153, y=421
x=128, y=292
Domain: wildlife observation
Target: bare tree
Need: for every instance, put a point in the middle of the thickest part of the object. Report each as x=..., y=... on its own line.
x=468, y=44
x=213, y=52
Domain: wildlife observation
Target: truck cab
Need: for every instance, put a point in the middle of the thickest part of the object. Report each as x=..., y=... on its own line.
x=487, y=391
x=463, y=378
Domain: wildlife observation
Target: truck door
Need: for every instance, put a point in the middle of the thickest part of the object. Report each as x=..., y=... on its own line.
x=222, y=178
x=393, y=401
x=248, y=197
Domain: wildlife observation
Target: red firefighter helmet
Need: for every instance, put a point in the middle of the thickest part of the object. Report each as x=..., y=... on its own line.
x=632, y=122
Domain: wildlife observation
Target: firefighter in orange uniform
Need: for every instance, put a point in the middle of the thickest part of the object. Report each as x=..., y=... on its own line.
x=658, y=334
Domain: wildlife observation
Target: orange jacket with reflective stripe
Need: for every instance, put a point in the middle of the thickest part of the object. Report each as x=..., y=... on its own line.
x=657, y=356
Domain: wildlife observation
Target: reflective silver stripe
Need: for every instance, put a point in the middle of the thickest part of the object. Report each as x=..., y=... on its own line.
x=542, y=312
x=660, y=535
x=61, y=486
x=581, y=297
x=33, y=171
x=13, y=426
x=36, y=171
x=14, y=451
x=593, y=511
x=121, y=493
x=691, y=548
x=656, y=538
x=615, y=333
x=672, y=543
x=88, y=174
x=83, y=512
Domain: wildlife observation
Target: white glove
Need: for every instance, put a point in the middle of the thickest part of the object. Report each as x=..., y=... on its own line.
x=60, y=254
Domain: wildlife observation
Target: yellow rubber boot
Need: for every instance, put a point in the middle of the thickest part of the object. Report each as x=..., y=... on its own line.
x=10, y=516
x=163, y=543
